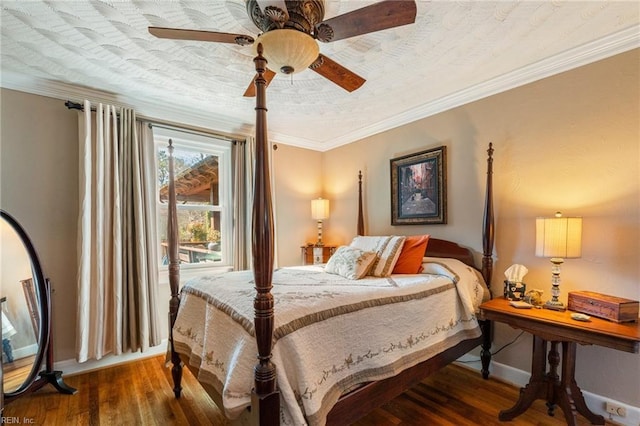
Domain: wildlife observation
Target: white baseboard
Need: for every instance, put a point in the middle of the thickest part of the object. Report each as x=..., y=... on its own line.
x=520, y=378
x=22, y=352
x=72, y=367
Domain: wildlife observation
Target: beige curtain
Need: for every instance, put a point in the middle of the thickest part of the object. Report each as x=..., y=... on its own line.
x=117, y=254
x=243, y=159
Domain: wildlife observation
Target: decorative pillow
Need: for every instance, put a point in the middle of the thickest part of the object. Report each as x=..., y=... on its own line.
x=350, y=262
x=387, y=249
x=410, y=260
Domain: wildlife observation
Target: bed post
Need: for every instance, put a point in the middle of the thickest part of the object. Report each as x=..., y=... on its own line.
x=487, y=260
x=174, y=273
x=265, y=398
x=360, y=214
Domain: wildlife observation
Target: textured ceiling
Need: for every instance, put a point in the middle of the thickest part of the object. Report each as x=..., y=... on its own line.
x=456, y=52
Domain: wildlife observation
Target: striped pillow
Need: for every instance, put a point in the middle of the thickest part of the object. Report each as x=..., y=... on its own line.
x=387, y=249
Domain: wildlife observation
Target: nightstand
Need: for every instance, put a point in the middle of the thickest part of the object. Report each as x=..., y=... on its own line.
x=550, y=328
x=314, y=255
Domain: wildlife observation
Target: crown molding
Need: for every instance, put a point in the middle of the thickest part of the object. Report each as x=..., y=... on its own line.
x=191, y=116
x=614, y=44
x=603, y=48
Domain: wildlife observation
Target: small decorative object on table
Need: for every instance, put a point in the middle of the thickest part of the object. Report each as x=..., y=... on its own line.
x=519, y=304
x=514, y=287
x=534, y=297
x=515, y=290
x=600, y=305
x=580, y=317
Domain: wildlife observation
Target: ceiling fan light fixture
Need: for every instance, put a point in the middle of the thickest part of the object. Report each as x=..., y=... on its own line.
x=287, y=51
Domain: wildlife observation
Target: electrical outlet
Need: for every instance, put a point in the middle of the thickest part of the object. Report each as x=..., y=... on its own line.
x=615, y=409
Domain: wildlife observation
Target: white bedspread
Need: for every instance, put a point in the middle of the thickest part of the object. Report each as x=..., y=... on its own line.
x=330, y=333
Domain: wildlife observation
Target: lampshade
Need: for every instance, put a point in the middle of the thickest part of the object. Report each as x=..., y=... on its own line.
x=320, y=209
x=287, y=51
x=559, y=236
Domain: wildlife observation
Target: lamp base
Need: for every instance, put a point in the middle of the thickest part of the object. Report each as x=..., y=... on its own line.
x=554, y=305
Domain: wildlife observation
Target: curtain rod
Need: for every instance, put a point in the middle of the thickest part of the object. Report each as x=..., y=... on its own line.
x=165, y=125
x=191, y=131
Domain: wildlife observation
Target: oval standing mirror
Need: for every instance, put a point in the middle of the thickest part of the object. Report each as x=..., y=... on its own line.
x=25, y=307
x=23, y=334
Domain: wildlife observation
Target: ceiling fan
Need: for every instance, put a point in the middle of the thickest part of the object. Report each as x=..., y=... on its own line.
x=291, y=29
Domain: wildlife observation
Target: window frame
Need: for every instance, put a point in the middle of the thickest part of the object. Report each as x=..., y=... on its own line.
x=208, y=145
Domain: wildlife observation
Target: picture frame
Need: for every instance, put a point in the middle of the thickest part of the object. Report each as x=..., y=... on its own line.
x=419, y=188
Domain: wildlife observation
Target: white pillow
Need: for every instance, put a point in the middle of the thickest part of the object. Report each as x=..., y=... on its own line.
x=350, y=262
x=387, y=249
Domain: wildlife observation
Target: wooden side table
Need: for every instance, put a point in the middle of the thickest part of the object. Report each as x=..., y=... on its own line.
x=314, y=255
x=551, y=329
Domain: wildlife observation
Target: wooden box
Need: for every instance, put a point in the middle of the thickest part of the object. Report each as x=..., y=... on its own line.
x=604, y=306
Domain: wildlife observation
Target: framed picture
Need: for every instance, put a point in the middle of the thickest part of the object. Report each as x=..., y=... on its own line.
x=419, y=188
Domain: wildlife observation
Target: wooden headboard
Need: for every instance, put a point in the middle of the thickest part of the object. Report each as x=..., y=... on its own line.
x=444, y=248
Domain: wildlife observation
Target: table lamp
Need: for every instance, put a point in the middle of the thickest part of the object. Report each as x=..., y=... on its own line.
x=558, y=238
x=319, y=212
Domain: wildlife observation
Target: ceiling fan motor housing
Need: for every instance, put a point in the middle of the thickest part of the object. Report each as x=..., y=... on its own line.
x=300, y=15
x=287, y=35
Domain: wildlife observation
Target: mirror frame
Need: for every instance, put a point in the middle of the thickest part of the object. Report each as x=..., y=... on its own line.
x=40, y=286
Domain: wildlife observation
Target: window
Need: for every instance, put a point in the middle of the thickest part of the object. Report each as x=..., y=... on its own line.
x=202, y=168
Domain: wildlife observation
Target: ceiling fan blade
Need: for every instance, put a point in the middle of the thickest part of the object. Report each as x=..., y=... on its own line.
x=197, y=35
x=251, y=90
x=376, y=17
x=335, y=72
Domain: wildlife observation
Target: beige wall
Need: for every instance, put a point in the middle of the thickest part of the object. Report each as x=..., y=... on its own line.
x=297, y=177
x=569, y=142
x=39, y=187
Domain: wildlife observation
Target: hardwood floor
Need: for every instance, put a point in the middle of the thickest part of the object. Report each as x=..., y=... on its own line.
x=139, y=393
x=16, y=372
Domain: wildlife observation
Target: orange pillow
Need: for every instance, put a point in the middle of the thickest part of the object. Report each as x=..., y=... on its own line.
x=410, y=260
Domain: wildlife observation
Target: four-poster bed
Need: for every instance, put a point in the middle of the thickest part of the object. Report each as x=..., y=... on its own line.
x=358, y=400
